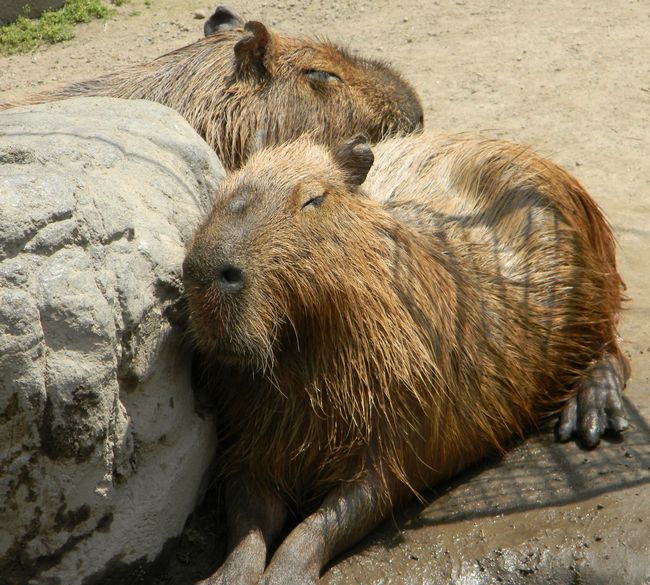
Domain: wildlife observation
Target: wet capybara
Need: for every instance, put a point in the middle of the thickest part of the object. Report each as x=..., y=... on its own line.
x=244, y=86
x=372, y=341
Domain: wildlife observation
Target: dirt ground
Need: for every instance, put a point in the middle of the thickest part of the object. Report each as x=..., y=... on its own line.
x=571, y=79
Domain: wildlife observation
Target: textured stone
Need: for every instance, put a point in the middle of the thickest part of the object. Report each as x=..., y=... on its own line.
x=101, y=453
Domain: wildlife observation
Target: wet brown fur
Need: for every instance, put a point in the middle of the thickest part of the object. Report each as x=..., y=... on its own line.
x=410, y=326
x=263, y=95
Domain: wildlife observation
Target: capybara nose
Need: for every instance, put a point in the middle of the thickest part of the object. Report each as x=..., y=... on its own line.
x=230, y=278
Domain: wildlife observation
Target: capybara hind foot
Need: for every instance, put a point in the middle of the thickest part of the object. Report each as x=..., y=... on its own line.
x=597, y=406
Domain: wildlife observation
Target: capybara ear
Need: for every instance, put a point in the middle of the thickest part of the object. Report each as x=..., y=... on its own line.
x=222, y=19
x=252, y=49
x=355, y=157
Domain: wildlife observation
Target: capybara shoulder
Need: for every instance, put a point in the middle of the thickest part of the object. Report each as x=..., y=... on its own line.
x=245, y=86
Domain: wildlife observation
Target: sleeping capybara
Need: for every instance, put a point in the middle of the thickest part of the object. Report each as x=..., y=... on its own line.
x=373, y=341
x=244, y=86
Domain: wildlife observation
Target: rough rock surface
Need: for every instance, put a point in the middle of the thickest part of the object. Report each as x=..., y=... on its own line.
x=102, y=455
x=10, y=10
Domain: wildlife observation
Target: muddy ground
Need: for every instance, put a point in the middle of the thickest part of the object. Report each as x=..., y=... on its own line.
x=571, y=79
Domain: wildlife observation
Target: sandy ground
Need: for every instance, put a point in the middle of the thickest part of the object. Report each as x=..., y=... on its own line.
x=571, y=79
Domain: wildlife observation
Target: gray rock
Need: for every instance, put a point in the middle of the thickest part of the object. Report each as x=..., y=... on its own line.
x=10, y=10
x=102, y=456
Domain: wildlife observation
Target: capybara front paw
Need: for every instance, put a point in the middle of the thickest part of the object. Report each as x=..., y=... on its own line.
x=232, y=576
x=276, y=578
x=289, y=567
x=238, y=569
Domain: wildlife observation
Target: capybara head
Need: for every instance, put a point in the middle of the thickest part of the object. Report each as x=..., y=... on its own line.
x=244, y=87
x=283, y=247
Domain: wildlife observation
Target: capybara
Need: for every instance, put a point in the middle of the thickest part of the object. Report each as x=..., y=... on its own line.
x=244, y=86
x=372, y=341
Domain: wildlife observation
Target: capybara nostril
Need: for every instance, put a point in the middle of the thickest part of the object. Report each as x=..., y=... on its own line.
x=230, y=278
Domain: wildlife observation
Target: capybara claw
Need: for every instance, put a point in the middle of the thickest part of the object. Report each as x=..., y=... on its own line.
x=591, y=429
x=617, y=424
x=567, y=424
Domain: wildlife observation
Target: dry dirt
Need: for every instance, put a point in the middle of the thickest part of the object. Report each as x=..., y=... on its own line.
x=571, y=79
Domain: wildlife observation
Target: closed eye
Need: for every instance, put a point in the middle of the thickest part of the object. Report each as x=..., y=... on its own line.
x=314, y=201
x=322, y=76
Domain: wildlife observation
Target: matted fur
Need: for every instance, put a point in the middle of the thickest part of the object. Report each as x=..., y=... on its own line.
x=413, y=325
x=239, y=107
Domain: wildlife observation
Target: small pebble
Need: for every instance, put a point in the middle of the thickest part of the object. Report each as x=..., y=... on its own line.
x=199, y=14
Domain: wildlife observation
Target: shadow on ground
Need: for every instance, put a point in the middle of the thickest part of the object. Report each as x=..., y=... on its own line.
x=543, y=473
